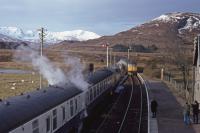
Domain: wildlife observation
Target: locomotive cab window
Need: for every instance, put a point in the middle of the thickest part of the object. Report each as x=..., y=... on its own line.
x=35, y=126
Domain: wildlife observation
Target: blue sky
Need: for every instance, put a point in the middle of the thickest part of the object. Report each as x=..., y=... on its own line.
x=105, y=17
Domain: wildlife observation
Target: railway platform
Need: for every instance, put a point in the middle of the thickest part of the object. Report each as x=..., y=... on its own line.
x=169, y=117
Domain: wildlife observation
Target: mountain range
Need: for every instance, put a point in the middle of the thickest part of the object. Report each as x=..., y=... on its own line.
x=164, y=31
x=50, y=37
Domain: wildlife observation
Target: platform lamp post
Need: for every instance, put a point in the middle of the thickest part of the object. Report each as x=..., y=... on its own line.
x=41, y=36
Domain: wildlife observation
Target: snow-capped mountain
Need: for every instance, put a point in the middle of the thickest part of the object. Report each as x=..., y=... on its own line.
x=167, y=30
x=4, y=38
x=185, y=21
x=51, y=37
x=10, y=43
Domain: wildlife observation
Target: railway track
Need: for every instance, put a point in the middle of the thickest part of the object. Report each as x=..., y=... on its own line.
x=129, y=114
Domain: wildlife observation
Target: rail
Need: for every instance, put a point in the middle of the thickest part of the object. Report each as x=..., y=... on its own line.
x=126, y=109
x=109, y=112
x=143, y=81
x=130, y=110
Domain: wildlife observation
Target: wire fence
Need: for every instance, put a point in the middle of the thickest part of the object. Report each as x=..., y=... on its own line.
x=178, y=85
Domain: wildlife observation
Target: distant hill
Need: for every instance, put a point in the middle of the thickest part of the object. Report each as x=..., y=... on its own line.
x=10, y=43
x=164, y=31
x=51, y=37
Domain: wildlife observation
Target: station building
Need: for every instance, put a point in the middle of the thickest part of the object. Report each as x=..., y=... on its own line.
x=196, y=63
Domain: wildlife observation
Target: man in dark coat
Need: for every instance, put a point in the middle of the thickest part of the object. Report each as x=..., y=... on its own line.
x=195, y=109
x=154, y=106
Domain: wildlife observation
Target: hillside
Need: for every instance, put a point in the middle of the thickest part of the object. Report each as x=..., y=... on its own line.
x=164, y=31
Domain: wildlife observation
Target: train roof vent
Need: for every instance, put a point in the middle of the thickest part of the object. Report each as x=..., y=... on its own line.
x=28, y=96
x=21, y=93
x=38, y=89
x=7, y=103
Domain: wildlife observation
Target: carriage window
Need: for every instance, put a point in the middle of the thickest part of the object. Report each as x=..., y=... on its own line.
x=102, y=86
x=105, y=84
x=76, y=105
x=98, y=90
x=71, y=108
x=95, y=91
x=54, y=119
x=48, y=124
x=88, y=98
x=63, y=112
x=91, y=94
x=35, y=126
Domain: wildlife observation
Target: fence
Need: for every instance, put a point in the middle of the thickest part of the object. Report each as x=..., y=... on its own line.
x=178, y=86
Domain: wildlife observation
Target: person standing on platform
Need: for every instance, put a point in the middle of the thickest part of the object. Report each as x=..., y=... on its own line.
x=195, y=110
x=154, y=106
x=186, y=113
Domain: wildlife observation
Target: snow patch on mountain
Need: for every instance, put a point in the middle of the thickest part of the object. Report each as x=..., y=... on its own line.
x=164, y=18
x=169, y=17
x=51, y=37
x=191, y=23
x=4, y=38
x=186, y=21
x=12, y=32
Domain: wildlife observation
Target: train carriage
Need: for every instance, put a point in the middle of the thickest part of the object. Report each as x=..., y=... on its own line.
x=54, y=109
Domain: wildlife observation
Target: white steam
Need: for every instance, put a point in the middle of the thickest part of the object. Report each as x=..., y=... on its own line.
x=75, y=74
x=53, y=74
x=50, y=72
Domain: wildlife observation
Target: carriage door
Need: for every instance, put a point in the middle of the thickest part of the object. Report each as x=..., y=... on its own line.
x=48, y=124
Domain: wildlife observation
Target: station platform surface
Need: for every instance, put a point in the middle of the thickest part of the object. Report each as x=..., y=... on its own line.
x=170, y=115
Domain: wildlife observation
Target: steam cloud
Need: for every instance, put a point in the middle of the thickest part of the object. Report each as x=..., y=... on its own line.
x=53, y=74
x=75, y=75
x=42, y=64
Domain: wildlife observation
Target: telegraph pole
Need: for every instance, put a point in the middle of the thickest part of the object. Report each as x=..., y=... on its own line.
x=41, y=36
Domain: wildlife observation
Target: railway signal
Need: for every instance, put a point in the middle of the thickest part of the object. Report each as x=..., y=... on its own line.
x=107, y=54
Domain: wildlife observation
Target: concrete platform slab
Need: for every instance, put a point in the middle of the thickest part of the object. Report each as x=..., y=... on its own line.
x=170, y=116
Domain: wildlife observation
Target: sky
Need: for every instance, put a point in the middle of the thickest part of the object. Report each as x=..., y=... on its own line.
x=104, y=17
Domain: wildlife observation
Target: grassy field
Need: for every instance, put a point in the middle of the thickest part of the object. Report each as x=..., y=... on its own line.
x=14, y=84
